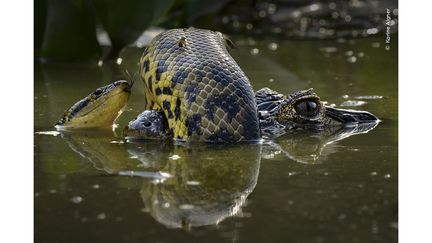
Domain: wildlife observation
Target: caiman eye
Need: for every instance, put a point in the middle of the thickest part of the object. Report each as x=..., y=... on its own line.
x=147, y=124
x=307, y=108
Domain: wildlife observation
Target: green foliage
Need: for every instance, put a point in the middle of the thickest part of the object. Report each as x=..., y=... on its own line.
x=39, y=22
x=66, y=29
x=125, y=22
x=197, y=8
x=70, y=31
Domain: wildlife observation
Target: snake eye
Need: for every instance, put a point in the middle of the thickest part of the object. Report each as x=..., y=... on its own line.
x=307, y=108
x=98, y=92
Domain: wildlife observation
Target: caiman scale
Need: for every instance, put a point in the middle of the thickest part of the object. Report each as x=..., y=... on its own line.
x=195, y=91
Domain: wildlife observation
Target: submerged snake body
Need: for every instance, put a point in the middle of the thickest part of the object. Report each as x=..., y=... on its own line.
x=190, y=76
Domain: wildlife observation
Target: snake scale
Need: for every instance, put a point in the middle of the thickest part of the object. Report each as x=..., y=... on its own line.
x=189, y=75
x=195, y=91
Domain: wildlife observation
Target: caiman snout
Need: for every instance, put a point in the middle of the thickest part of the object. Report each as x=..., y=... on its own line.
x=350, y=116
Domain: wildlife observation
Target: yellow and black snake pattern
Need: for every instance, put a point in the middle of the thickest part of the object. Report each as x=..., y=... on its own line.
x=190, y=76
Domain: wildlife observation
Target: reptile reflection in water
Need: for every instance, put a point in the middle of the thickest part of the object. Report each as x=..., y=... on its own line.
x=200, y=184
x=312, y=147
x=208, y=183
x=183, y=186
x=100, y=148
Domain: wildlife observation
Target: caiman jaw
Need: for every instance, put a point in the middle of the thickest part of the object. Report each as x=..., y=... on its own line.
x=303, y=109
x=343, y=116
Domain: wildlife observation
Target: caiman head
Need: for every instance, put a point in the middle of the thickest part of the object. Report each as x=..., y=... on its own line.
x=277, y=113
x=303, y=110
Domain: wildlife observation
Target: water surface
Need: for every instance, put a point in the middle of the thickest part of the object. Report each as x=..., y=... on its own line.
x=302, y=187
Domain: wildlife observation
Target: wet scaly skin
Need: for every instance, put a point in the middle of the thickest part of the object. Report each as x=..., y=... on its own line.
x=99, y=109
x=195, y=91
x=277, y=113
x=189, y=75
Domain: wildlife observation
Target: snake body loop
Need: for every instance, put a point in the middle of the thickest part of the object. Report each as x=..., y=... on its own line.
x=189, y=75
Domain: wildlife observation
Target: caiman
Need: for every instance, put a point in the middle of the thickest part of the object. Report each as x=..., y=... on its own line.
x=195, y=91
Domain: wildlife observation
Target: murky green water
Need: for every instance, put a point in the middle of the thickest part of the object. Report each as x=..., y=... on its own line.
x=326, y=187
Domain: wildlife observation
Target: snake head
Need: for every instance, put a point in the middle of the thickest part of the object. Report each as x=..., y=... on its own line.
x=150, y=124
x=98, y=109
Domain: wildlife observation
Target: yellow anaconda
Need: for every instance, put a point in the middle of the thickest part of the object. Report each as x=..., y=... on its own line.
x=190, y=76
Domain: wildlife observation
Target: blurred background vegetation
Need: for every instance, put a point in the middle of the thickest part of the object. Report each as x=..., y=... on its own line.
x=99, y=29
